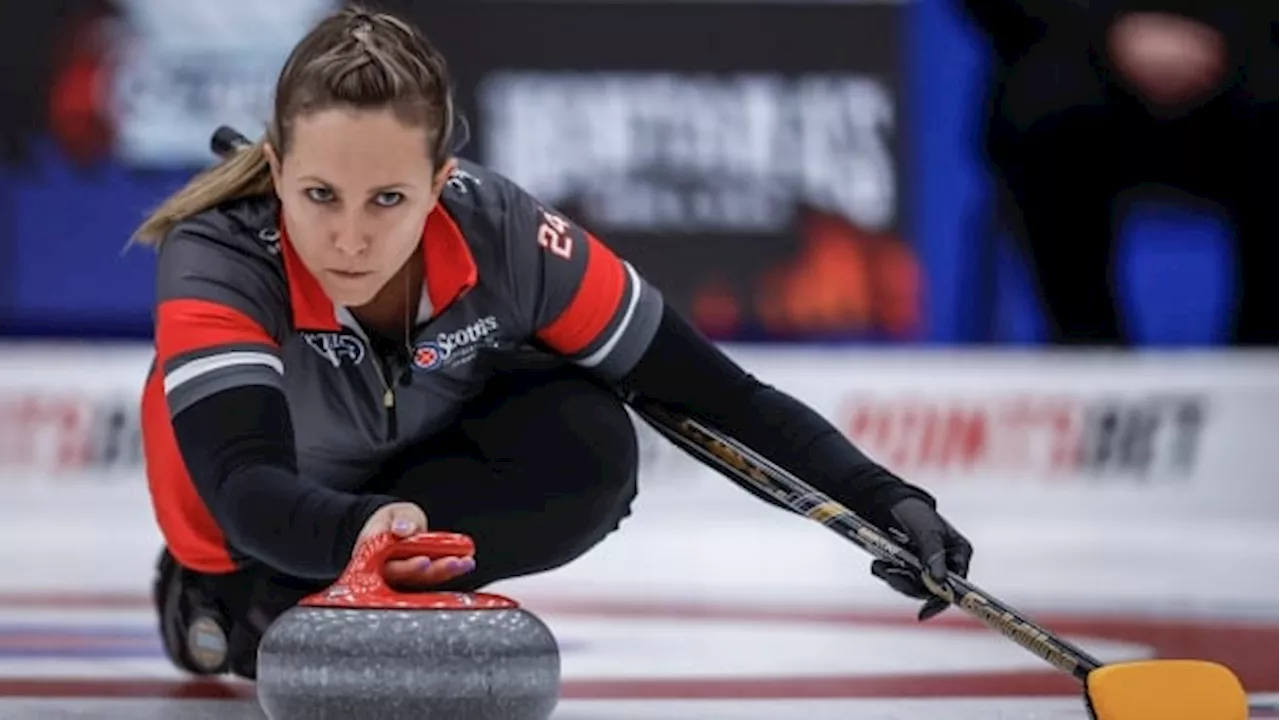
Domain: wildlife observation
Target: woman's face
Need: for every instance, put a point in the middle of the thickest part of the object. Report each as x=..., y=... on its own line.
x=355, y=189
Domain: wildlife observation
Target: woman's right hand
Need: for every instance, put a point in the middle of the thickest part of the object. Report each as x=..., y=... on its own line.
x=405, y=519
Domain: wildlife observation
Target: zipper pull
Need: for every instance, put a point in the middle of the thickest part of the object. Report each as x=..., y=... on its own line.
x=388, y=399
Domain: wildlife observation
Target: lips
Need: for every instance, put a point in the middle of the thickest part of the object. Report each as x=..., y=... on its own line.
x=350, y=274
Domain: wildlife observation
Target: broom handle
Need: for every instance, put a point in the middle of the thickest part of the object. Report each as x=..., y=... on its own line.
x=749, y=470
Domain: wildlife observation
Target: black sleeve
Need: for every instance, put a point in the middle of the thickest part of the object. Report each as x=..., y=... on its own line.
x=683, y=371
x=1013, y=26
x=1229, y=17
x=238, y=448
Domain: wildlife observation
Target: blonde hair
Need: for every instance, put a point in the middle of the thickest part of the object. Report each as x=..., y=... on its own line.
x=351, y=58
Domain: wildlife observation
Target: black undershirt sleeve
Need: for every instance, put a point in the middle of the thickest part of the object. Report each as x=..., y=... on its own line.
x=684, y=372
x=239, y=451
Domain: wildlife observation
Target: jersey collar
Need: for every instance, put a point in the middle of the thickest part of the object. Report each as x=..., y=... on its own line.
x=448, y=267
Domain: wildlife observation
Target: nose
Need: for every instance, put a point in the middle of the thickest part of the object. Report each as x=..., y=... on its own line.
x=349, y=236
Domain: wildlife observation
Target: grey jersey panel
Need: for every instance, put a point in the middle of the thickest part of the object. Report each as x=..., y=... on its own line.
x=206, y=263
x=548, y=255
x=228, y=256
x=197, y=380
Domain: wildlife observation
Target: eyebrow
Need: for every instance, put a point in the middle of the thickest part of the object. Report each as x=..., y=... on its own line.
x=378, y=189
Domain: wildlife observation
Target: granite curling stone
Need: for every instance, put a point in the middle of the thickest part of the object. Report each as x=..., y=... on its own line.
x=360, y=649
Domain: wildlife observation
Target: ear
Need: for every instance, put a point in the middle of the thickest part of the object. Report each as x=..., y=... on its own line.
x=442, y=176
x=273, y=160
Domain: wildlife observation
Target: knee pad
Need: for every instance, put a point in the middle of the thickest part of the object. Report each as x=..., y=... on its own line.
x=212, y=625
x=194, y=629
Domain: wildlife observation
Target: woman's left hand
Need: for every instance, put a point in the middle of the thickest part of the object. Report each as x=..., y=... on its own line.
x=940, y=547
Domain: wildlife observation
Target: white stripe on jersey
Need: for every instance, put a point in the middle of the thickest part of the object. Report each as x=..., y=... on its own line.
x=194, y=369
x=599, y=355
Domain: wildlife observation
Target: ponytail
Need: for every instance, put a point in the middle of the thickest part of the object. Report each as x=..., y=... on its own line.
x=244, y=174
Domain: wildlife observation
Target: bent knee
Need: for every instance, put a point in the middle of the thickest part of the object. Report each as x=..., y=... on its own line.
x=593, y=439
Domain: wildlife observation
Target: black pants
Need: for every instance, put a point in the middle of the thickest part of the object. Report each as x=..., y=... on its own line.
x=1070, y=145
x=537, y=470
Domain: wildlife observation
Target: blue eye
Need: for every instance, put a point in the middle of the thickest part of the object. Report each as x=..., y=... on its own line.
x=388, y=199
x=319, y=194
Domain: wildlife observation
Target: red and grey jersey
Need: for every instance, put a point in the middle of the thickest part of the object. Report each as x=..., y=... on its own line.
x=236, y=307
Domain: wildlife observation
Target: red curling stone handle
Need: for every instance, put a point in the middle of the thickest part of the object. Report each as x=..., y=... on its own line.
x=363, y=585
x=386, y=548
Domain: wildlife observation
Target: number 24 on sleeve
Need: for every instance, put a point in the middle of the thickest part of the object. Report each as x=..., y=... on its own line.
x=553, y=234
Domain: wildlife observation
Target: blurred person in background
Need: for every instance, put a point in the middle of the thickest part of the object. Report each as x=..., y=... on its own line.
x=1092, y=99
x=28, y=96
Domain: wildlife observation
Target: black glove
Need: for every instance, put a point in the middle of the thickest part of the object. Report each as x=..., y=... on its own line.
x=940, y=547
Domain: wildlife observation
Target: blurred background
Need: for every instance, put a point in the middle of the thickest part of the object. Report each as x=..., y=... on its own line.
x=1021, y=252
x=848, y=172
